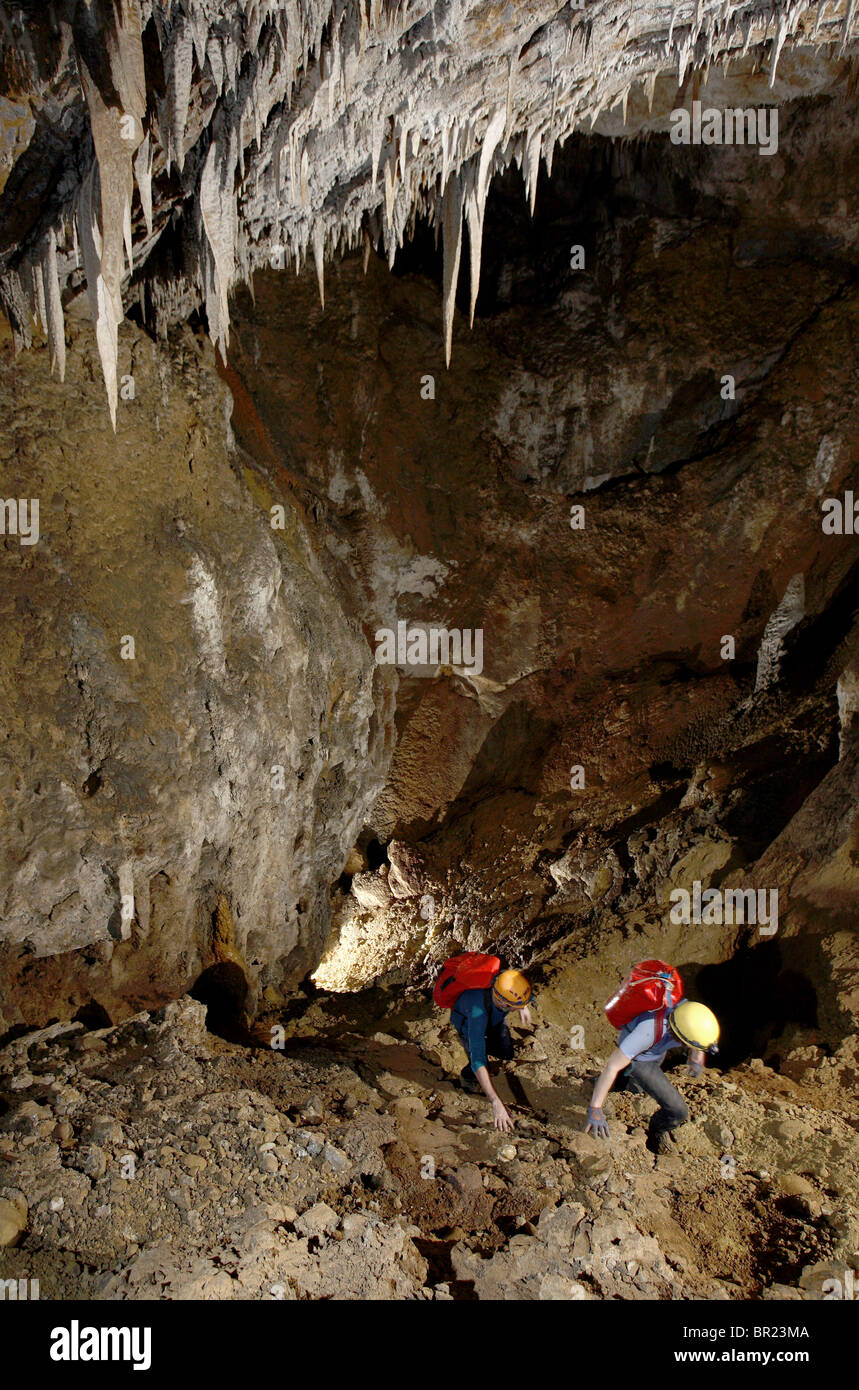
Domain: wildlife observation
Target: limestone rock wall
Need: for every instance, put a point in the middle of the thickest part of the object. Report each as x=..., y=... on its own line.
x=225, y=768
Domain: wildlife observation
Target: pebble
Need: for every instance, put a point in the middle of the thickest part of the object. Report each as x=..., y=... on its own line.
x=105, y=1130
x=792, y=1185
x=63, y=1133
x=194, y=1163
x=95, y=1162
x=306, y=1144
x=335, y=1159
x=507, y=1153
x=317, y=1220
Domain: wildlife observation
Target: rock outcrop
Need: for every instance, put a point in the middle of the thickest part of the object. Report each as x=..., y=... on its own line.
x=184, y=764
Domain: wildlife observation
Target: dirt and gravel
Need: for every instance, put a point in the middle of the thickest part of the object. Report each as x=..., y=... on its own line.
x=331, y=1155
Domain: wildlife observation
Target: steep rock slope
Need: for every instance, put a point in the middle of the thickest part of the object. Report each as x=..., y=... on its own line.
x=153, y=1161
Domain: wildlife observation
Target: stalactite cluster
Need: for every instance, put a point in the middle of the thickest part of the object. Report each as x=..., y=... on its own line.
x=177, y=145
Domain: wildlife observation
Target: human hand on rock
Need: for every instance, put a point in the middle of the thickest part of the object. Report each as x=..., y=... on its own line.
x=500, y=1116
x=525, y=1017
x=596, y=1121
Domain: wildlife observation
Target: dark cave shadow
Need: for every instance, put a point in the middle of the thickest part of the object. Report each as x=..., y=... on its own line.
x=755, y=996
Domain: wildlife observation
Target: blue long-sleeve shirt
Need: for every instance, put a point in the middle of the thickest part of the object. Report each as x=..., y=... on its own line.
x=473, y=1014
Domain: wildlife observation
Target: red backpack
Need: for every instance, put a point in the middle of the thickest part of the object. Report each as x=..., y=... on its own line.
x=470, y=971
x=652, y=985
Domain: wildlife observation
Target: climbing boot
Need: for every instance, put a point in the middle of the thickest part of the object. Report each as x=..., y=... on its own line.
x=661, y=1143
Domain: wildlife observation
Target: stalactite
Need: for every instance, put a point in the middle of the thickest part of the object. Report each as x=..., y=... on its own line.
x=37, y=297
x=319, y=258
x=531, y=165
x=219, y=221
x=777, y=47
x=106, y=313
x=116, y=137
x=54, y=306
x=126, y=236
x=143, y=175
x=445, y=154
x=511, y=86
x=404, y=137
x=452, y=204
x=215, y=59
x=390, y=185
x=199, y=35
x=821, y=10
x=178, y=67
x=685, y=55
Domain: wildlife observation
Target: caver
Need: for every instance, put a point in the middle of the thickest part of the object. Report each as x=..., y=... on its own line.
x=646, y=1035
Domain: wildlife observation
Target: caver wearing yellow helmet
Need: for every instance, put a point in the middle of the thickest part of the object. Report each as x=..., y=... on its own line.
x=694, y=1025
x=636, y=1066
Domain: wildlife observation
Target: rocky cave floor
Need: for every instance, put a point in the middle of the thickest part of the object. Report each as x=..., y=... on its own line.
x=347, y=1164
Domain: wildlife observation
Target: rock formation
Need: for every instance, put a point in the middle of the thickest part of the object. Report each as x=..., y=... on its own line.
x=428, y=525
x=259, y=132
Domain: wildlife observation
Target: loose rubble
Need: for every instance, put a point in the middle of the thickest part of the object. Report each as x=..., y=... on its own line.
x=154, y=1160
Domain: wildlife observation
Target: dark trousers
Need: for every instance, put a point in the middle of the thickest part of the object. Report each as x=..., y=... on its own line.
x=648, y=1078
x=498, y=1044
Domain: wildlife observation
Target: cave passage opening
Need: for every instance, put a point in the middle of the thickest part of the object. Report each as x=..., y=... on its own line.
x=224, y=990
x=376, y=852
x=755, y=996
x=93, y=1016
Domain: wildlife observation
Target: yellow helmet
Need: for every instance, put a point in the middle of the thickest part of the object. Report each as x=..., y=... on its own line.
x=511, y=988
x=694, y=1024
